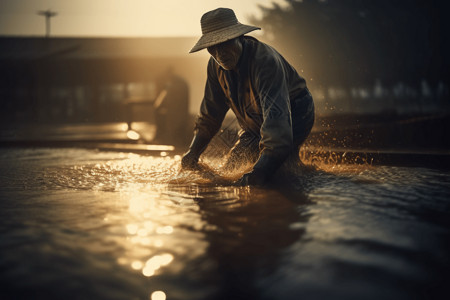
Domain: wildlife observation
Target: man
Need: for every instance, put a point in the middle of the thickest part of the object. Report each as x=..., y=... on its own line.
x=270, y=100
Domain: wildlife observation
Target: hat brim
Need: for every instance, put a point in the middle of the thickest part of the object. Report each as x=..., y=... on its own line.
x=220, y=36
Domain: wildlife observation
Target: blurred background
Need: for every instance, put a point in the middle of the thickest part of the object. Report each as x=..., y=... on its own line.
x=95, y=70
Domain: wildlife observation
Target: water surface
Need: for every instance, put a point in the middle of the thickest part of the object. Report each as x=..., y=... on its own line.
x=84, y=224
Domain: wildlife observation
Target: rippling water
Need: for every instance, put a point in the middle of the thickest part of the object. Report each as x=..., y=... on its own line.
x=79, y=224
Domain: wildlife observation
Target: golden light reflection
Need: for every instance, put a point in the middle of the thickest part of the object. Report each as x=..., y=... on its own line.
x=137, y=265
x=155, y=263
x=122, y=127
x=150, y=218
x=149, y=225
x=148, y=272
x=122, y=261
x=158, y=295
x=132, y=228
x=158, y=243
x=142, y=232
x=135, y=240
x=133, y=135
x=164, y=230
x=140, y=203
x=147, y=221
x=145, y=241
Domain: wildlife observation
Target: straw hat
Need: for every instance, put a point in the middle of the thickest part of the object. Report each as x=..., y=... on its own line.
x=218, y=26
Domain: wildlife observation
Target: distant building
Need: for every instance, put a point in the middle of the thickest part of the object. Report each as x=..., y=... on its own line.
x=90, y=79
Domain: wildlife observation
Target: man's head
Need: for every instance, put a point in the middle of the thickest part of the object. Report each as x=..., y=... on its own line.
x=219, y=26
x=227, y=54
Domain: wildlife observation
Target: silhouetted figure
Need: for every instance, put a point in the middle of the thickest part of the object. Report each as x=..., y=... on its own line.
x=269, y=98
x=172, y=109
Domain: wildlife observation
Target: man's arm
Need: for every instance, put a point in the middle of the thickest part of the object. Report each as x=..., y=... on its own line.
x=212, y=112
x=214, y=105
x=276, y=130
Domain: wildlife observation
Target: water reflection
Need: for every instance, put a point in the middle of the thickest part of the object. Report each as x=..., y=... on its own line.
x=116, y=226
x=248, y=231
x=146, y=214
x=208, y=232
x=155, y=263
x=158, y=295
x=133, y=135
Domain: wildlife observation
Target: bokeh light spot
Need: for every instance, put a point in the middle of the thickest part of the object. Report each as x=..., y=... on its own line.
x=158, y=295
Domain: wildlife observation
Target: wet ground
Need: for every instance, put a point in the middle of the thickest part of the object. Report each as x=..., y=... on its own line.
x=86, y=224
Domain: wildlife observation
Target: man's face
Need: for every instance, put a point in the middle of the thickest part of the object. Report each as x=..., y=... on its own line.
x=227, y=54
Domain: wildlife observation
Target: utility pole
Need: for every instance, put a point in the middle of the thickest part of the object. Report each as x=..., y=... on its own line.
x=48, y=14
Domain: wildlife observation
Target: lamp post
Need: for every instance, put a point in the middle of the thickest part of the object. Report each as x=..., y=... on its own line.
x=48, y=14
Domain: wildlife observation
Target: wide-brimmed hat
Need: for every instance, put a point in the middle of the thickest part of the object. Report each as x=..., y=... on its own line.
x=218, y=26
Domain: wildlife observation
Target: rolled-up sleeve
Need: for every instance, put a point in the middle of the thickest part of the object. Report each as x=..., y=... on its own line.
x=213, y=107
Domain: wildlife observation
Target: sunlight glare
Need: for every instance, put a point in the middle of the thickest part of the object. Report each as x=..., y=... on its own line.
x=158, y=295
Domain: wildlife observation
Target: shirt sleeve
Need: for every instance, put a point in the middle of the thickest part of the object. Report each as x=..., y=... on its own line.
x=213, y=107
x=276, y=129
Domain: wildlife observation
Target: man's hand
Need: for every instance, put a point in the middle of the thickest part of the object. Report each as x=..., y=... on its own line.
x=252, y=178
x=189, y=161
x=190, y=158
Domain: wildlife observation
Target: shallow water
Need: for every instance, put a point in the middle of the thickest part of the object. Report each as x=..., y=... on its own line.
x=81, y=224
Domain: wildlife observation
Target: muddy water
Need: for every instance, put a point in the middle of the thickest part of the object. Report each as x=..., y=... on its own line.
x=79, y=224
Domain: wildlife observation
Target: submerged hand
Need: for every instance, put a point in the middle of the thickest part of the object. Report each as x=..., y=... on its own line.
x=252, y=178
x=190, y=158
x=189, y=161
